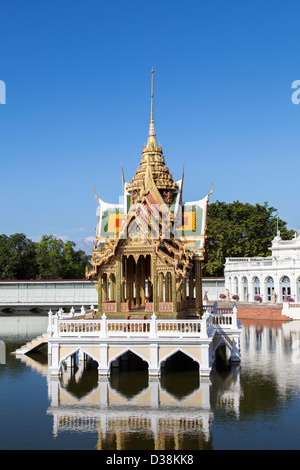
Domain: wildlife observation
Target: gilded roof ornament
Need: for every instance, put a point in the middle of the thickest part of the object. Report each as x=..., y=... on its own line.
x=151, y=144
x=152, y=154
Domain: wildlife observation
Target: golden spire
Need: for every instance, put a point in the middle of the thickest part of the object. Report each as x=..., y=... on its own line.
x=153, y=161
x=151, y=140
x=151, y=128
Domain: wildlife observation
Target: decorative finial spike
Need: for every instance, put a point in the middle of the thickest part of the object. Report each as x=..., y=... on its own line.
x=151, y=128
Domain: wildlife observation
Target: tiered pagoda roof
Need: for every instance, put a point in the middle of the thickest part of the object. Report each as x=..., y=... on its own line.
x=152, y=211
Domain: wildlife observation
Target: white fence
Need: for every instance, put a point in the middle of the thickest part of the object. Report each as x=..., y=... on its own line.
x=103, y=327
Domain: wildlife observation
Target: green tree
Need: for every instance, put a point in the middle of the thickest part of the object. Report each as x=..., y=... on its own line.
x=17, y=257
x=241, y=230
x=57, y=259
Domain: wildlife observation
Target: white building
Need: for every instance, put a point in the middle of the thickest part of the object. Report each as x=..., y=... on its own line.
x=274, y=278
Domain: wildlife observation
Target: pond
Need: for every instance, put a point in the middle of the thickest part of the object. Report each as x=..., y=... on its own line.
x=253, y=405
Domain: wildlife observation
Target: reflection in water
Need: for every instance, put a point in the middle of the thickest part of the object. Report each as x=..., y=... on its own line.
x=152, y=418
x=2, y=352
x=129, y=410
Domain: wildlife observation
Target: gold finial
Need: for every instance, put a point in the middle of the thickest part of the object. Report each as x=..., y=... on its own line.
x=151, y=140
x=151, y=128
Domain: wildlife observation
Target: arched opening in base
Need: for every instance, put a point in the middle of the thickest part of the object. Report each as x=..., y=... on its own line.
x=180, y=375
x=79, y=374
x=222, y=358
x=179, y=362
x=128, y=362
x=129, y=374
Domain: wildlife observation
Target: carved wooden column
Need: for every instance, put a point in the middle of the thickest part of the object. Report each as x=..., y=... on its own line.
x=160, y=287
x=104, y=287
x=118, y=287
x=174, y=299
x=123, y=287
x=167, y=287
x=99, y=293
x=154, y=283
x=130, y=271
x=191, y=285
x=138, y=282
x=184, y=293
x=142, y=260
x=125, y=283
x=112, y=287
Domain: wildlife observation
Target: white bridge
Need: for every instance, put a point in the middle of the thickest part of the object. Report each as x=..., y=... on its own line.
x=74, y=337
x=43, y=295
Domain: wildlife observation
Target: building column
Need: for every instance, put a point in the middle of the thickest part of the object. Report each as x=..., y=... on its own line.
x=154, y=283
x=184, y=293
x=112, y=281
x=99, y=293
x=104, y=287
x=160, y=287
x=167, y=287
x=191, y=285
x=124, y=278
x=142, y=261
x=103, y=368
x=54, y=366
x=130, y=275
x=154, y=370
x=205, y=367
x=138, y=282
x=174, y=297
x=118, y=287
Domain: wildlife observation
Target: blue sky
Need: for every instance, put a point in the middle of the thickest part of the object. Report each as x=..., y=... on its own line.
x=77, y=77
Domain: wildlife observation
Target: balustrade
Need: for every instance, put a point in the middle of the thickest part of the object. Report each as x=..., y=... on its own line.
x=106, y=327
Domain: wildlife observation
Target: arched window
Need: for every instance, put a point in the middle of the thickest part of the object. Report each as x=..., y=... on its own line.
x=236, y=285
x=256, y=286
x=285, y=287
x=269, y=288
x=245, y=289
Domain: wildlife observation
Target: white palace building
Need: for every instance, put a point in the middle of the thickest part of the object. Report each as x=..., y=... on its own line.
x=274, y=278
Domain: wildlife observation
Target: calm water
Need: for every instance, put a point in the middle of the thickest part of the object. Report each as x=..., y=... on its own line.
x=252, y=406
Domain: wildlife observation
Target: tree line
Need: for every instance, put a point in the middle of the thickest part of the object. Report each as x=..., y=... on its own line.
x=234, y=229
x=50, y=258
x=240, y=230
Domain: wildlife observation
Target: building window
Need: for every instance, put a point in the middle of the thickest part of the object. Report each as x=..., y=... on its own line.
x=256, y=286
x=245, y=289
x=236, y=285
x=285, y=287
x=270, y=288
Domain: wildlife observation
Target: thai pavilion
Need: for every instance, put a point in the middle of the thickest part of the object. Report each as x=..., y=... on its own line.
x=148, y=251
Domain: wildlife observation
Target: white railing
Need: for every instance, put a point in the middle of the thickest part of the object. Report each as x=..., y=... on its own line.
x=67, y=325
x=248, y=260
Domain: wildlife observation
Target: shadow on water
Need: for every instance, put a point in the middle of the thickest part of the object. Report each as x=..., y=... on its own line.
x=222, y=362
x=129, y=375
x=180, y=375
